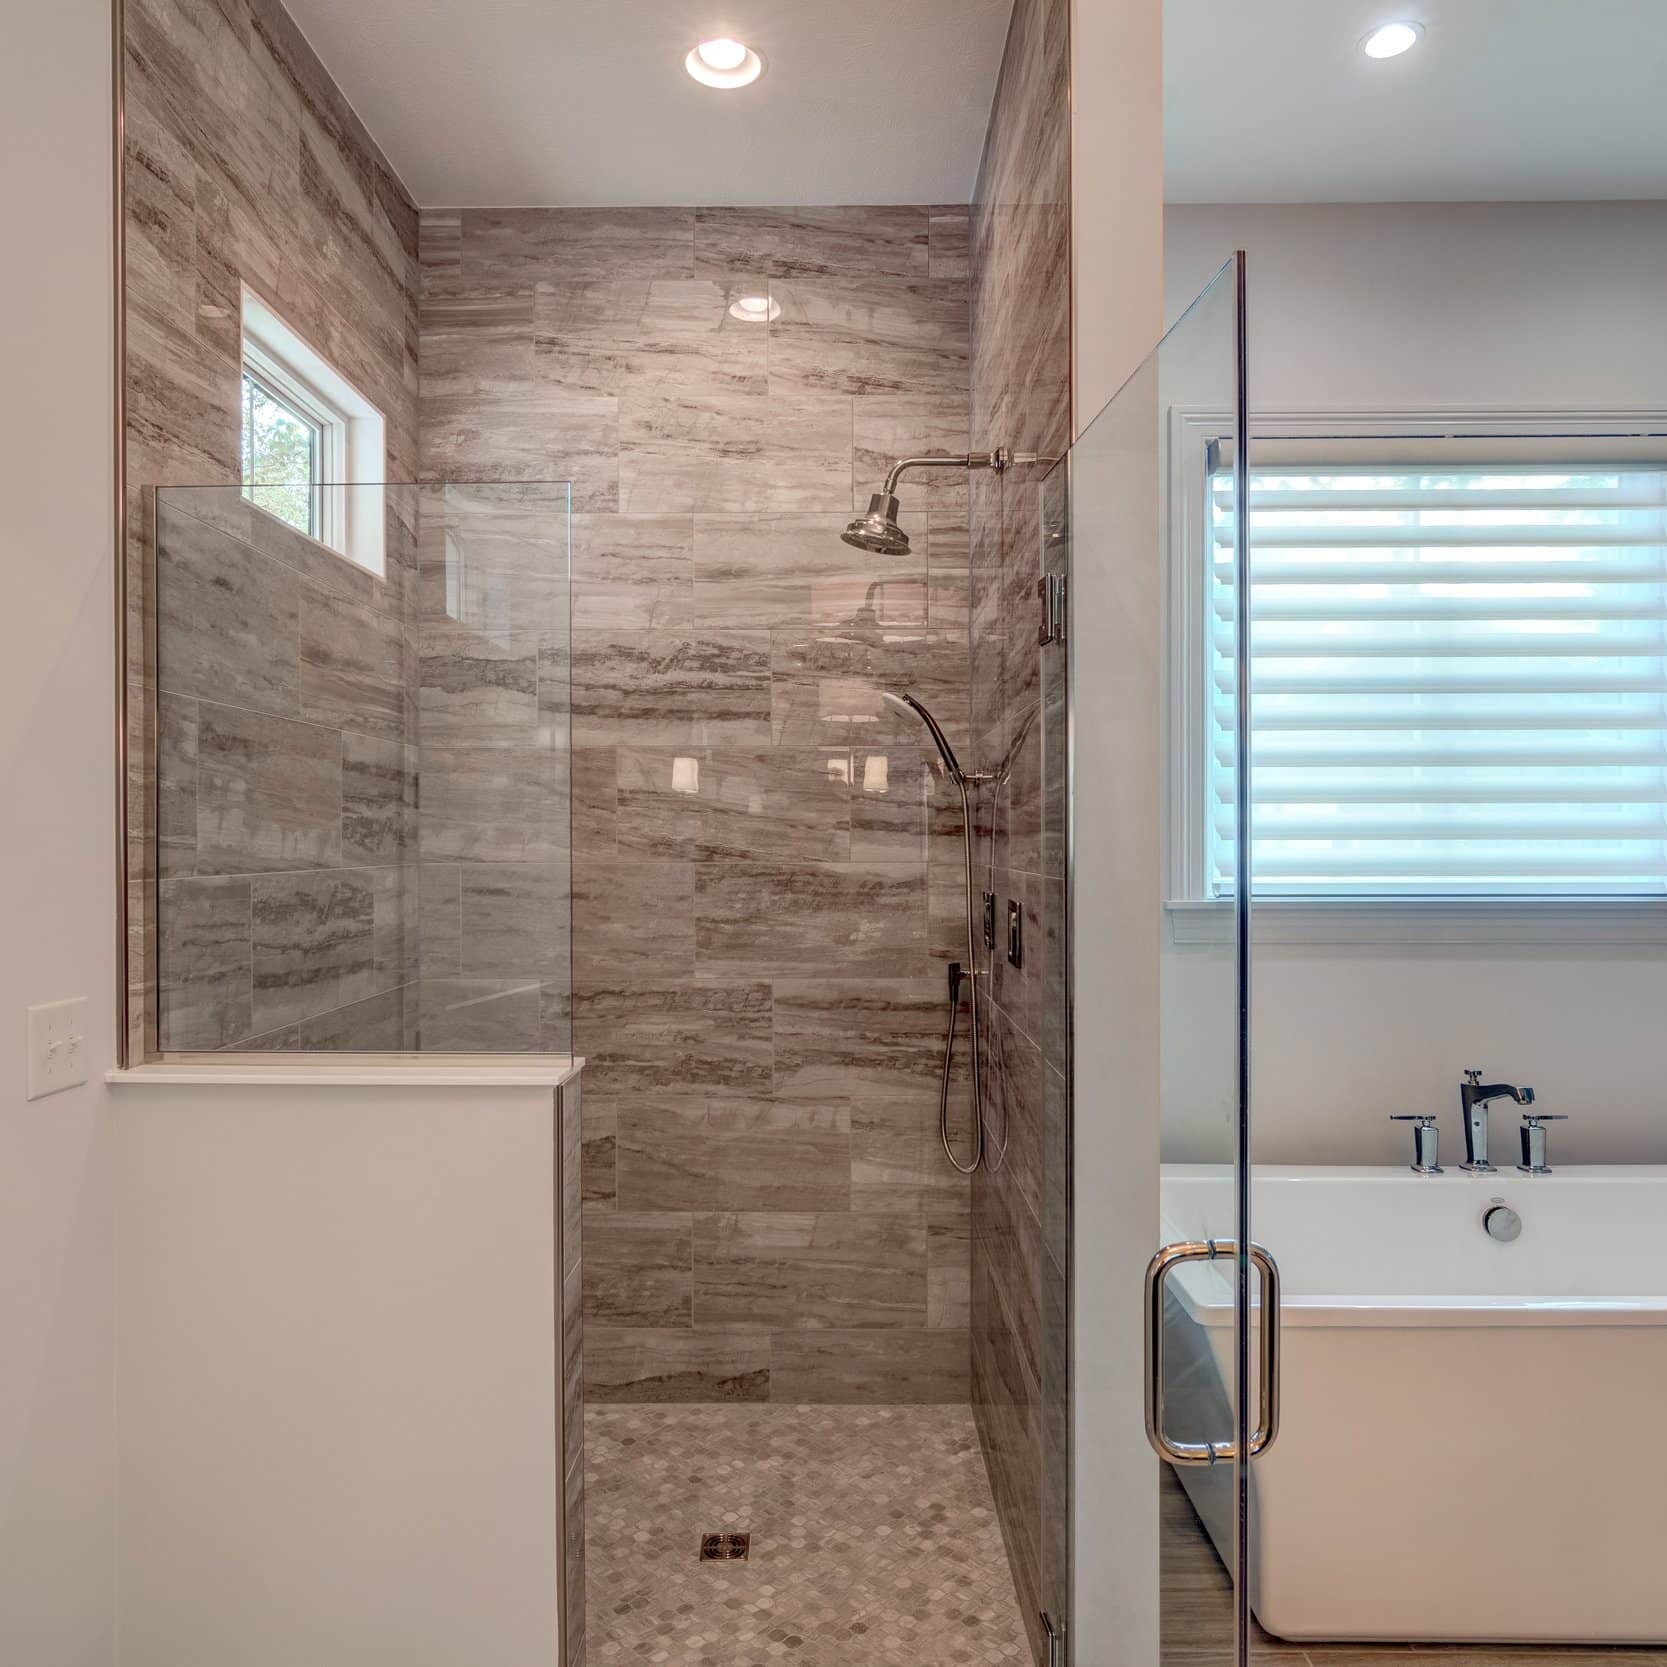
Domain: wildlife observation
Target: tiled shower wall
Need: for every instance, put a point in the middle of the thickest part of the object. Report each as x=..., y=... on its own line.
x=1021, y=397
x=286, y=784
x=766, y=875
x=246, y=166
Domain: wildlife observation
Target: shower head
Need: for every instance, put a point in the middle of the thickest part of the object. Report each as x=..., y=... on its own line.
x=878, y=531
x=910, y=707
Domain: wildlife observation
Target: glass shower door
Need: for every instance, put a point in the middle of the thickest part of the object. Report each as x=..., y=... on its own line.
x=1146, y=767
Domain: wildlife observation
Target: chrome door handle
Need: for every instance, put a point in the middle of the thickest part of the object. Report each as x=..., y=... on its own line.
x=1157, y=1271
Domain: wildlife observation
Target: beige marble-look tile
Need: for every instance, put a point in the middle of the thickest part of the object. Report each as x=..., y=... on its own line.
x=869, y=1367
x=479, y=330
x=638, y=1269
x=858, y=1042
x=514, y=919
x=352, y=667
x=663, y=689
x=787, y=804
x=478, y=690
x=378, y=786
x=638, y=1365
x=779, y=920
x=949, y=257
x=598, y=1155
x=204, y=962
x=826, y=683
x=632, y=571
x=228, y=619
x=949, y=1268
x=482, y=803
x=729, y=453
x=374, y=1025
x=176, y=786
x=665, y=1164
x=649, y=335
x=494, y=560
x=657, y=799
x=269, y=793
x=901, y=799
x=776, y=571
x=633, y=919
x=314, y=943
x=795, y=1271
x=575, y=245
x=713, y=1039
x=866, y=241
x=866, y=336
x=478, y=1015
x=515, y=429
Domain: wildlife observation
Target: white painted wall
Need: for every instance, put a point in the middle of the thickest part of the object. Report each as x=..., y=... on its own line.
x=1463, y=305
x=57, y=853
x=338, y=1377
x=1116, y=195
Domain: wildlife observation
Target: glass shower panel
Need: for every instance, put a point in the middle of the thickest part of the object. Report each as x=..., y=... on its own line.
x=361, y=812
x=1154, y=987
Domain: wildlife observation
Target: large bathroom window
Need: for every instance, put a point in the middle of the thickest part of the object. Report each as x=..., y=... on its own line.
x=1459, y=680
x=313, y=447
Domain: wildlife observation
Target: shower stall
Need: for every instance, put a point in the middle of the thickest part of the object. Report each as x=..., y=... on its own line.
x=857, y=934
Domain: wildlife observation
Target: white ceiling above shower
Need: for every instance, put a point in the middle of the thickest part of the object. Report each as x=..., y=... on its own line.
x=1501, y=99
x=557, y=102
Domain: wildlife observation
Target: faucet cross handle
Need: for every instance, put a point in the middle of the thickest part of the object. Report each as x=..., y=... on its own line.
x=1473, y=1077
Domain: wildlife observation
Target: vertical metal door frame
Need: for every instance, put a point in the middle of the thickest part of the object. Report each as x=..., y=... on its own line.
x=1244, y=1418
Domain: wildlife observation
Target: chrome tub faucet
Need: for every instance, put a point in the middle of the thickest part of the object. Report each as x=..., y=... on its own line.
x=1474, y=1096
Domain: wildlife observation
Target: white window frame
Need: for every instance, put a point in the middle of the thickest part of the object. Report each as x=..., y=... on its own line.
x=352, y=434
x=1194, y=439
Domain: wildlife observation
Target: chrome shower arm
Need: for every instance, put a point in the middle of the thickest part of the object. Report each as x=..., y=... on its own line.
x=968, y=460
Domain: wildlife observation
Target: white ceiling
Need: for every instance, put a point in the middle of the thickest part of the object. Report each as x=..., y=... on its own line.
x=1273, y=101
x=557, y=102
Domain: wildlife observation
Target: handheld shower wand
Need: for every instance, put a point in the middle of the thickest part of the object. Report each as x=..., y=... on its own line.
x=906, y=703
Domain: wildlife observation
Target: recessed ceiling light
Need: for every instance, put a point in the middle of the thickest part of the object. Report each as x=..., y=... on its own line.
x=1391, y=40
x=754, y=309
x=724, y=63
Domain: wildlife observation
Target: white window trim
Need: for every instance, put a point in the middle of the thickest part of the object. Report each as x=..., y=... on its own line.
x=352, y=434
x=1516, y=434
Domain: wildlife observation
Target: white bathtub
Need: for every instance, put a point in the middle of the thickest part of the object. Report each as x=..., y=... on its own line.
x=1474, y=1437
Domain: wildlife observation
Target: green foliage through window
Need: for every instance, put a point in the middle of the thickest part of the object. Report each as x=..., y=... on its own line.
x=280, y=458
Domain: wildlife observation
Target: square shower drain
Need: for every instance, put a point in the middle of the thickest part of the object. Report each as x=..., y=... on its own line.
x=724, y=1548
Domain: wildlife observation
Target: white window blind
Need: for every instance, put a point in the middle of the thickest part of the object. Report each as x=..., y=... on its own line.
x=1459, y=682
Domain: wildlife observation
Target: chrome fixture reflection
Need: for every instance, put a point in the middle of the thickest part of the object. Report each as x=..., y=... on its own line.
x=878, y=531
x=1474, y=1095
x=907, y=705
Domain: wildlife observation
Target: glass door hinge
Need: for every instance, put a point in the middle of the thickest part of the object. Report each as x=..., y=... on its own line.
x=1050, y=591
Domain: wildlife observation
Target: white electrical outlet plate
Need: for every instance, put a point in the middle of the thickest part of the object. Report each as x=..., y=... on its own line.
x=57, y=1046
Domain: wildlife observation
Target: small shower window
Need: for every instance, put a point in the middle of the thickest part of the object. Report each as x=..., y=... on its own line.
x=1458, y=679
x=283, y=446
x=313, y=447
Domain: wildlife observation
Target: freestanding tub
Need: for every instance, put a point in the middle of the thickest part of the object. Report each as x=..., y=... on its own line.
x=1474, y=1437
